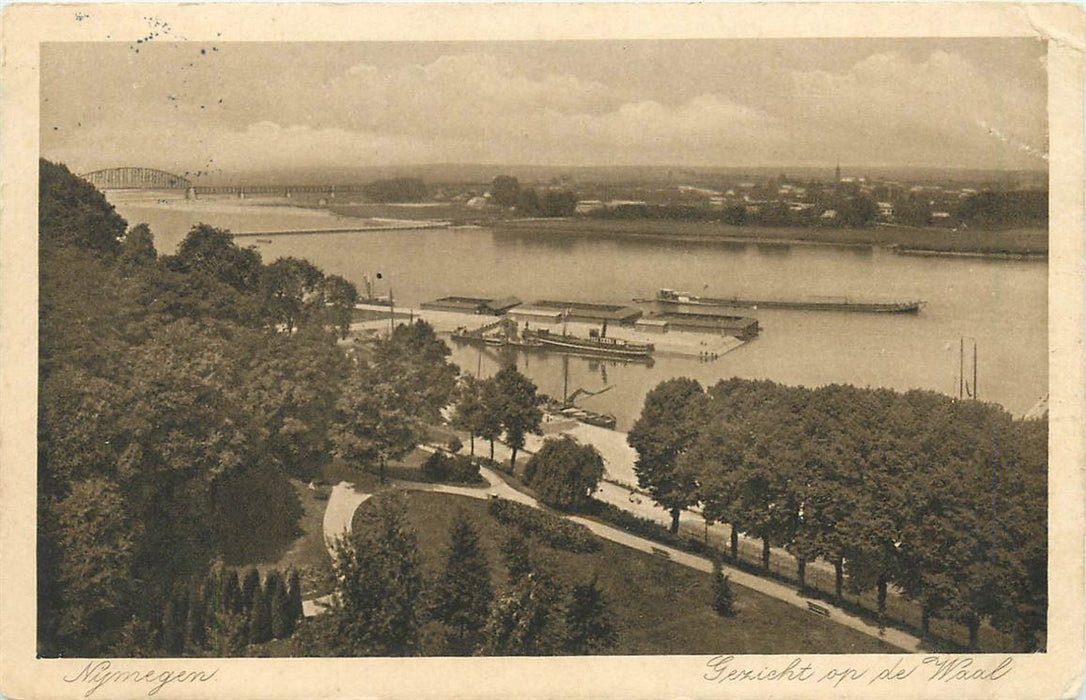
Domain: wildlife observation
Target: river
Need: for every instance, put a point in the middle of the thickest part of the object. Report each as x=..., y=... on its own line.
x=1000, y=305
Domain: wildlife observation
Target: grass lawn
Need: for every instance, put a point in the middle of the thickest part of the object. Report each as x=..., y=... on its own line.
x=659, y=607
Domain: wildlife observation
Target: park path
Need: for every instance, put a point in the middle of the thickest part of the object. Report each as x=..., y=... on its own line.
x=345, y=500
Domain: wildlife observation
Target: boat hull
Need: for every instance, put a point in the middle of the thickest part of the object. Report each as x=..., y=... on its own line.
x=905, y=307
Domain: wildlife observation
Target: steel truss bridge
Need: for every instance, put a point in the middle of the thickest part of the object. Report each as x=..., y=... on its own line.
x=131, y=178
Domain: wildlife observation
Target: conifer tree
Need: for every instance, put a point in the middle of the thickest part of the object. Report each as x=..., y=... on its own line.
x=723, y=601
x=278, y=604
x=378, y=584
x=462, y=595
x=260, y=624
x=589, y=626
x=516, y=556
x=250, y=587
x=527, y=620
x=195, y=628
x=294, y=598
x=173, y=626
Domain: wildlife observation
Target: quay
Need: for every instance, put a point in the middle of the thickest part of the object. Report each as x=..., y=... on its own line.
x=676, y=343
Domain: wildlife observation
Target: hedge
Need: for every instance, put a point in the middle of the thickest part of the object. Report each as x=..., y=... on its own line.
x=551, y=529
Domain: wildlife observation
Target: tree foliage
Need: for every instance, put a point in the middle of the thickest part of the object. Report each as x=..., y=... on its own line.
x=461, y=596
x=564, y=473
x=668, y=427
x=517, y=403
x=378, y=584
x=171, y=414
x=942, y=499
x=589, y=621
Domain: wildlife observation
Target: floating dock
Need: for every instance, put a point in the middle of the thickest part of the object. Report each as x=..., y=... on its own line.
x=472, y=305
x=706, y=321
x=588, y=312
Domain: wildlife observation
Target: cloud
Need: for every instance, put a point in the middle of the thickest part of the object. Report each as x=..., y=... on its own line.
x=934, y=108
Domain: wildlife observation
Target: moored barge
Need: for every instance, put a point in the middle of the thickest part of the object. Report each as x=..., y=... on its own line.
x=672, y=297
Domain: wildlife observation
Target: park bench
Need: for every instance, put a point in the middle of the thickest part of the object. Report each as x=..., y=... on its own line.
x=818, y=609
x=662, y=553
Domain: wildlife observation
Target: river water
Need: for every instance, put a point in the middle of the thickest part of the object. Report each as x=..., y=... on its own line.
x=1000, y=305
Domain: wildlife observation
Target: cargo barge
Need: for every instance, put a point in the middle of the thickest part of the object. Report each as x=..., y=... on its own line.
x=672, y=297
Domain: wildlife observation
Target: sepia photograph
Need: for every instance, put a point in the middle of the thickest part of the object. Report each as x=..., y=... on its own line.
x=590, y=346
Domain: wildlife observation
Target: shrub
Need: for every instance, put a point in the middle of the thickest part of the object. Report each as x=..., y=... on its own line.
x=455, y=445
x=649, y=529
x=723, y=600
x=441, y=466
x=551, y=529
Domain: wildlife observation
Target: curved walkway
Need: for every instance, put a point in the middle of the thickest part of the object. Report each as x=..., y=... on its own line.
x=345, y=500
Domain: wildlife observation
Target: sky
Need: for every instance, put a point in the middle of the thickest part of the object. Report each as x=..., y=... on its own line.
x=190, y=107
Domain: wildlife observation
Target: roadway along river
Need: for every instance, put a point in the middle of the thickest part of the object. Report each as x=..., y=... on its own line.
x=1001, y=304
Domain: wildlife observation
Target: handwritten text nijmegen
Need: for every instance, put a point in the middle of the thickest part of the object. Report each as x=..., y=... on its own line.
x=99, y=673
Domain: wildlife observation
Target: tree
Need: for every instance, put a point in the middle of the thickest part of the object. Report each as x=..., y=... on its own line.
x=461, y=596
x=470, y=407
x=95, y=544
x=195, y=625
x=504, y=191
x=564, y=472
x=667, y=427
x=516, y=557
x=558, y=203
x=398, y=189
x=291, y=386
x=413, y=361
x=339, y=298
x=858, y=212
x=138, y=248
x=528, y=203
x=292, y=291
x=378, y=583
x=518, y=407
x=370, y=425
x=489, y=419
x=294, y=598
x=260, y=617
x=71, y=212
x=279, y=605
x=526, y=620
x=723, y=600
x=589, y=625
x=211, y=251
x=250, y=588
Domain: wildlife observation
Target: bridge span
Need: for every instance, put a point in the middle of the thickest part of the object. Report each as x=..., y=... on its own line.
x=135, y=178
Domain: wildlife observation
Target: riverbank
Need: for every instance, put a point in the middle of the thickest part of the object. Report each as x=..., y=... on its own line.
x=1015, y=243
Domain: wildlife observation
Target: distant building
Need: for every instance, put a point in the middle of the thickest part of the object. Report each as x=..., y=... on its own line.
x=886, y=211
x=590, y=313
x=472, y=305
x=535, y=315
x=708, y=322
x=587, y=206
